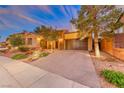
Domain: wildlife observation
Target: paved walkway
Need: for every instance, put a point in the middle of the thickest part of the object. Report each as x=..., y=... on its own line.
x=73, y=65
x=19, y=74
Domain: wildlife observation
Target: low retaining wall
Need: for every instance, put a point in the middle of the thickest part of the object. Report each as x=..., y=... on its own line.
x=118, y=53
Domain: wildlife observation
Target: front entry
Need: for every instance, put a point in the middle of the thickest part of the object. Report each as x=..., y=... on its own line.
x=56, y=45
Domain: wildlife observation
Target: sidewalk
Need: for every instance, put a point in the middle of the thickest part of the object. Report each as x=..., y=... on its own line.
x=18, y=74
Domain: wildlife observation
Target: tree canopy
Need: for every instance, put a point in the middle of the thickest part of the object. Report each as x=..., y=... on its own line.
x=97, y=19
x=16, y=40
x=101, y=18
x=48, y=33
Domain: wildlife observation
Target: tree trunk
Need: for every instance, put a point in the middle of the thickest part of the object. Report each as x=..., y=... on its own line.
x=90, y=42
x=96, y=44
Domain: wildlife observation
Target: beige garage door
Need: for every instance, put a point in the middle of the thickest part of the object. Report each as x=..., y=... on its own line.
x=76, y=44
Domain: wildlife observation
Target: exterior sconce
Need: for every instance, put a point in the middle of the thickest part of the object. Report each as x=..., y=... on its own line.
x=60, y=40
x=38, y=39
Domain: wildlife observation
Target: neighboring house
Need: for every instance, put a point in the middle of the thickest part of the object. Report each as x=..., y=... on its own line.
x=119, y=38
x=115, y=45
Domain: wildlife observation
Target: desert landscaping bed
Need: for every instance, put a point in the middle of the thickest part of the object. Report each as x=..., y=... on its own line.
x=107, y=62
x=25, y=54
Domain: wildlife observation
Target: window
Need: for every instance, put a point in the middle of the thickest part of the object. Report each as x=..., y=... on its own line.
x=29, y=41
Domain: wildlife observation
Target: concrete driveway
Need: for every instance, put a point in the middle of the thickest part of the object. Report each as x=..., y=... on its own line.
x=15, y=74
x=73, y=65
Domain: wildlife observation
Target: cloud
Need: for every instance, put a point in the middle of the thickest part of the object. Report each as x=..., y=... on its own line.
x=3, y=11
x=64, y=10
x=1, y=22
x=46, y=9
x=27, y=18
x=33, y=15
x=4, y=23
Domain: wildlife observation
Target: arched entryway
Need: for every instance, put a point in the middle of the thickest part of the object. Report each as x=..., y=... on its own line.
x=43, y=44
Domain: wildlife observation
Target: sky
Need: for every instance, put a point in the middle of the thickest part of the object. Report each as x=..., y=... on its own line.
x=14, y=19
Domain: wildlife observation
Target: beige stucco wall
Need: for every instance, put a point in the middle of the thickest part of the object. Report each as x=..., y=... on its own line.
x=73, y=35
x=35, y=40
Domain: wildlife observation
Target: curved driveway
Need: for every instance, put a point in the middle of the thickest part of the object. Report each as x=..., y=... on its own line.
x=73, y=65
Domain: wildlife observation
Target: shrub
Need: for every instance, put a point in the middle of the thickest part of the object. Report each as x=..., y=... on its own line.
x=23, y=48
x=19, y=56
x=44, y=54
x=114, y=77
x=16, y=40
x=38, y=54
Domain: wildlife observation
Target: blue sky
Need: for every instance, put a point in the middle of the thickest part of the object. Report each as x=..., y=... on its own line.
x=15, y=19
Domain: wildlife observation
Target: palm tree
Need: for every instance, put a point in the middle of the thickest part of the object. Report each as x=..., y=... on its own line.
x=49, y=34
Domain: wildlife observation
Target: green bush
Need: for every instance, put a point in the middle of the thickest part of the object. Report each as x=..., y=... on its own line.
x=16, y=40
x=44, y=54
x=19, y=56
x=23, y=48
x=114, y=77
x=37, y=54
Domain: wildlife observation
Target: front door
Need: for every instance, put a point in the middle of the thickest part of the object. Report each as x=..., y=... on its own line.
x=56, y=44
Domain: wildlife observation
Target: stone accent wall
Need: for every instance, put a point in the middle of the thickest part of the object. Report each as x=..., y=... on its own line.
x=119, y=40
x=114, y=46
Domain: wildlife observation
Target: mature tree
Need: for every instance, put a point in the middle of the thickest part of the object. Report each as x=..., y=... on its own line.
x=16, y=40
x=97, y=19
x=48, y=33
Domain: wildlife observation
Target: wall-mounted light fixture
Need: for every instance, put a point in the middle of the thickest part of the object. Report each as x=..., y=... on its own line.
x=38, y=39
x=60, y=40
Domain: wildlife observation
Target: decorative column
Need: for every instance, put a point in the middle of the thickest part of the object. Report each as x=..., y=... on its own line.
x=54, y=44
x=38, y=41
x=90, y=42
x=47, y=44
x=60, y=43
x=64, y=45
